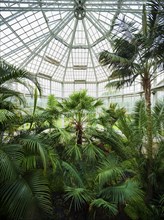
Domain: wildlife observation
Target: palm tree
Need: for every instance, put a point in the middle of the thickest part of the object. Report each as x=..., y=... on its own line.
x=79, y=106
x=139, y=55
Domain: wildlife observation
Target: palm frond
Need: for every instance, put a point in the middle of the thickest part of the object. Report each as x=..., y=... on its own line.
x=74, y=151
x=78, y=197
x=127, y=192
x=109, y=172
x=53, y=157
x=34, y=145
x=107, y=58
x=16, y=199
x=5, y=115
x=114, y=140
x=52, y=102
x=8, y=72
x=139, y=116
x=9, y=93
x=23, y=198
x=15, y=153
x=8, y=171
x=92, y=152
x=158, y=117
x=39, y=187
x=71, y=171
x=110, y=208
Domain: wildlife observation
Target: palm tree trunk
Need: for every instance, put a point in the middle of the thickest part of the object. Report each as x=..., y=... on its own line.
x=79, y=132
x=149, y=143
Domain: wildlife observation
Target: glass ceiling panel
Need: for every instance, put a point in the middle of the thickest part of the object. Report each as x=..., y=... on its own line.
x=61, y=40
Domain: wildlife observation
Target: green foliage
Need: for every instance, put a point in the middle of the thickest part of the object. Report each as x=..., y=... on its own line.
x=109, y=172
x=78, y=197
x=105, y=173
x=129, y=191
x=110, y=208
x=22, y=197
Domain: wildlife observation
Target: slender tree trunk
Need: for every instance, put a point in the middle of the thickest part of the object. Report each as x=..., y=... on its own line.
x=149, y=142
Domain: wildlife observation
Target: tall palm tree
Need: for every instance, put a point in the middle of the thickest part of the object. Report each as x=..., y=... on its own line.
x=139, y=55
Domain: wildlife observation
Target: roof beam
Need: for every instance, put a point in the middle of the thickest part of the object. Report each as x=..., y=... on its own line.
x=92, y=9
x=46, y=41
x=17, y=36
x=89, y=47
x=73, y=36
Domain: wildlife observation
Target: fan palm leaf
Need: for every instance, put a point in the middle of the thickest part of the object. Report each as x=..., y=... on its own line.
x=129, y=191
x=92, y=152
x=78, y=197
x=110, y=208
x=109, y=172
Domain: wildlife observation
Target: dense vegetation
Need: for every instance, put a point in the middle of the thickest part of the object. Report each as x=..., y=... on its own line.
x=76, y=159
x=93, y=167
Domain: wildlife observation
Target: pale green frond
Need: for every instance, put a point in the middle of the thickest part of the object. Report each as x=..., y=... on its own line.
x=139, y=117
x=158, y=117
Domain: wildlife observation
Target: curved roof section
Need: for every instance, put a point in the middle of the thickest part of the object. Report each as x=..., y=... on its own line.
x=61, y=40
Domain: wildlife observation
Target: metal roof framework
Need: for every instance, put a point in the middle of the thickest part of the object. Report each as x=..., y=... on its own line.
x=61, y=39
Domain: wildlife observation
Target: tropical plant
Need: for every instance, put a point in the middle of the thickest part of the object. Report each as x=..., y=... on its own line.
x=10, y=74
x=24, y=191
x=138, y=55
x=78, y=107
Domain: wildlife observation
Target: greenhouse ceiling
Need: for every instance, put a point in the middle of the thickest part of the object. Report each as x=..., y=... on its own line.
x=61, y=40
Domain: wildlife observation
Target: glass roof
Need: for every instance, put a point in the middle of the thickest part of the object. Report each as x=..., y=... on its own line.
x=61, y=40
